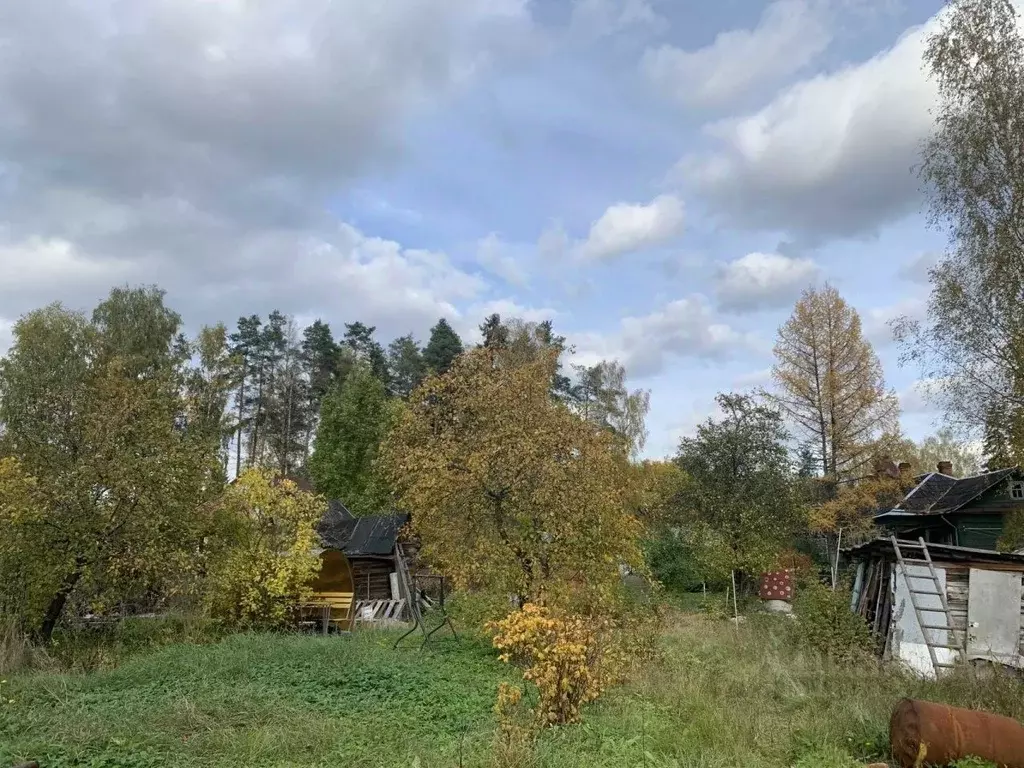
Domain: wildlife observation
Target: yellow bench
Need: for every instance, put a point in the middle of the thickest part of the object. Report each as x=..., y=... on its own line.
x=335, y=607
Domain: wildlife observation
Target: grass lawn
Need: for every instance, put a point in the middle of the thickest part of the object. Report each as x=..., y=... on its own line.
x=718, y=698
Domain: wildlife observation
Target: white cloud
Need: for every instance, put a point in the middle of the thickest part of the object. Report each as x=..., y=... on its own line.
x=764, y=281
x=553, y=242
x=876, y=321
x=829, y=156
x=753, y=379
x=629, y=227
x=600, y=18
x=789, y=35
x=200, y=144
x=682, y=328
x=37, y=266
x=502, y=259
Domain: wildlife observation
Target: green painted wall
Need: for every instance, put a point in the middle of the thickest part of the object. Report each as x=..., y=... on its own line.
x=979, y=531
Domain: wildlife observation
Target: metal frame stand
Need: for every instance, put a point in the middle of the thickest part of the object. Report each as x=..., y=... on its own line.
x=408, y=585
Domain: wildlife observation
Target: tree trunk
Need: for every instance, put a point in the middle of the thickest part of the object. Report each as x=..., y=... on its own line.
x=287, y=442
x=254, y=445
x=241, y=405
x=56, y=607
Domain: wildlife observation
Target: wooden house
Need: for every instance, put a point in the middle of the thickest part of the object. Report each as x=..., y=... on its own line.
x=965, y=511
x=366, y=547
x=982, y=588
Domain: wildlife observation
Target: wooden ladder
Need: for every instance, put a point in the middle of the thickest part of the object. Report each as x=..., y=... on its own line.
x=936, y=591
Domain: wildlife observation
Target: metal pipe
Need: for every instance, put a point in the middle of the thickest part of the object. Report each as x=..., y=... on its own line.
x=926, y=733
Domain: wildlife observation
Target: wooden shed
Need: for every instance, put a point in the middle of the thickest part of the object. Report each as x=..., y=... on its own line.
x=983, y=591
x=369, y=546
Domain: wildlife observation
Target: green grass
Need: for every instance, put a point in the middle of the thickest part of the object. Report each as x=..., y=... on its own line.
x=260, y=700
x=719, y=697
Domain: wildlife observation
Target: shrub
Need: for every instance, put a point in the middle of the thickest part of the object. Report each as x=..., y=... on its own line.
x=261, y=559
x=828, y=624
x=686, y=560
x=473, y=611
x=568, y=658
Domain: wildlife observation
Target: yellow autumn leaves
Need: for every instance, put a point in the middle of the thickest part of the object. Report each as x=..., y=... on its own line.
x=261, y=557
x=511, y=492
x=569, y=658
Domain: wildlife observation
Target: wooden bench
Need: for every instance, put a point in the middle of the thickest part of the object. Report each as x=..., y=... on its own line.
x=379, y=611
x=334, y=607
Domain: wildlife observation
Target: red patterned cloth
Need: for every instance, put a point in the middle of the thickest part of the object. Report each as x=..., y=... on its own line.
x=776, y=585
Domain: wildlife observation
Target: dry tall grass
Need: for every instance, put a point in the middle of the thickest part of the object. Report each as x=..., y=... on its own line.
x=15, y=650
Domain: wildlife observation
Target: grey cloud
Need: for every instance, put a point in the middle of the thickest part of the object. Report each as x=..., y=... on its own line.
x=197, y=145
x=830, y=156
x=761, y=281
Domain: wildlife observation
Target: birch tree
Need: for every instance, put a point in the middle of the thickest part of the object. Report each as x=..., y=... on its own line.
x=972, y=342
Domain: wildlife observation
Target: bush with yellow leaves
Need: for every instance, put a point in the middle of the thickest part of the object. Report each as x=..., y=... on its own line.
x=569, y=658
x=260, y=557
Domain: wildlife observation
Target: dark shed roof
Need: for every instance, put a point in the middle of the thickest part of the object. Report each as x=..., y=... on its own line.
x=939, y=552
x=939, y=494
x=374, y=536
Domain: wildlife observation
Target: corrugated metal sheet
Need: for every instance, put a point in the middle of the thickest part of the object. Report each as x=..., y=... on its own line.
x=373, y=536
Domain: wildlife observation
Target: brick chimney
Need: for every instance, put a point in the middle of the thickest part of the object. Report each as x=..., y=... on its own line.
x=886, y=467
x=946, y=468
x=905, y=468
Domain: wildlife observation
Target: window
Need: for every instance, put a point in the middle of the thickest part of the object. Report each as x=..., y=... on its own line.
x=1017, y=489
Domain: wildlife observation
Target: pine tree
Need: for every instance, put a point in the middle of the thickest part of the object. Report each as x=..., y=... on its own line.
x=998, y=450
x=442, y=348
x=245, y=343
x=494, y=332
x=321, y=359
x=406, y=367
x=269, y=350
x=807, y=463
x=561, y=385
x=287, y=411
x=359, y=339
x=354, y=419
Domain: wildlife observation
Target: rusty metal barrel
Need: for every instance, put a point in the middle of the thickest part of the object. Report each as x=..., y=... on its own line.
x=940, y=735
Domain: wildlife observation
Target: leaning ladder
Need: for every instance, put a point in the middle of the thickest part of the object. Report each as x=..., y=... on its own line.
x=920, y=611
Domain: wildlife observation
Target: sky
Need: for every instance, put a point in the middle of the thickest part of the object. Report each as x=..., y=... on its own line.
x=661, y=179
